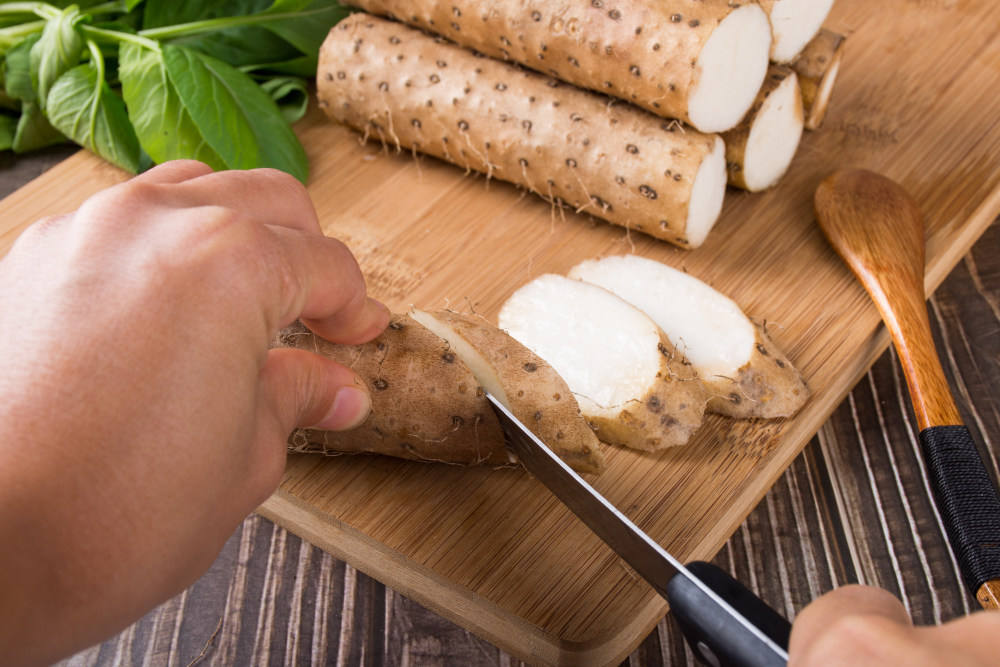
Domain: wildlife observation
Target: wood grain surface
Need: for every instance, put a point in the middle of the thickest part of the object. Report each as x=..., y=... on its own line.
x=848, y=487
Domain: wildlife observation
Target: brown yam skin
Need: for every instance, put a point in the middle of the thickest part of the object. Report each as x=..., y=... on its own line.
x=736, y=138
x=570, y=146
x=818, y=61
x=667, y=416
x=642, y=52
x=538, y=396
x=768, y=386
x=426, y=404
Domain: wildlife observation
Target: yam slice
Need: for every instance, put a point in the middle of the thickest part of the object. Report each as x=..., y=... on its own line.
x=629, y=381
x=817, y=67
x=793, y=24
x=523, y=382
x=746, y=374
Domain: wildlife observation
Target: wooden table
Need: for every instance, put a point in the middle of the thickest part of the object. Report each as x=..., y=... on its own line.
x=854, y=507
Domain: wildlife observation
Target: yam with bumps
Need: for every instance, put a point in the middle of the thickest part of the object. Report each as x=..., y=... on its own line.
x=570, y=146
x=745, y=373
x=817, y=67
x=701, y=61
x=426, y=404
x=761, y=148
x=628, y=379
x=523, y=382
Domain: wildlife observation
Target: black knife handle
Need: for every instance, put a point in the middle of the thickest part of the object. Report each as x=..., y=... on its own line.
x=715, y=636
x=967, y=500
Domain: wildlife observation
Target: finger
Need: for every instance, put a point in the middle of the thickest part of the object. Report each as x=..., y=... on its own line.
x=300, y=389
x=264, y=196
x=175, y=171
x=839, y=623
x=319, y=281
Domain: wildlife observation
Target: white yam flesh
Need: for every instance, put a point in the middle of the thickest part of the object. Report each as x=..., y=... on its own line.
x=794, y=23
x=746, y=374
x=760, y=150
x=700, y=61
x=629, y=381
x=570, y=146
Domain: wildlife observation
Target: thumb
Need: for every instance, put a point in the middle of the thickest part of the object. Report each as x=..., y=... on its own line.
x=849, y=625
x=301, y=389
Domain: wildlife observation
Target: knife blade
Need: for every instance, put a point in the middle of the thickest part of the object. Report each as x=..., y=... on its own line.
x=724, y=622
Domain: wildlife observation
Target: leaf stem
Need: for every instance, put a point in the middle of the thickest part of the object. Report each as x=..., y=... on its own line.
x=41, y=9
x=195, y=27
x=15, y=33
x=118, y=36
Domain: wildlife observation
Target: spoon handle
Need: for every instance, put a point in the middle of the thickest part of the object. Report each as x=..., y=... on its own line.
x=969, y=506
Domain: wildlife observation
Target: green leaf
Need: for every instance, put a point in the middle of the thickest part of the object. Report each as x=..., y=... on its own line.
x=17, y=70
x=8, y=126
x=290, y=93
x=165, y=129
x=238, y=119
x=132, y=4
x=241, y=46
x=34, y=131
x=308, y=31
x=159, y=13
x=83, y=107
x=59, y=49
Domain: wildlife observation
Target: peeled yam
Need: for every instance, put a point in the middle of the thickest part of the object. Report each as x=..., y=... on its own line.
x=760, y=149
x=746, y=374
x=817, y=67
x=523, y=382
x=630, y=382
x=426, y=404
x=570, y=146
x=794, y=23
x=701, y=61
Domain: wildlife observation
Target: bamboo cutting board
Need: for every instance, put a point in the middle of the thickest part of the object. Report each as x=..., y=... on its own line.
x=492, y=549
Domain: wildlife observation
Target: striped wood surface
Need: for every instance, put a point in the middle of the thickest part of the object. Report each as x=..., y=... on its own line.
x=854, y=506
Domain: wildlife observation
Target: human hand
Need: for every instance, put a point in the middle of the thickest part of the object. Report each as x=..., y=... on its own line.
x=857, y=626
x=142, y=416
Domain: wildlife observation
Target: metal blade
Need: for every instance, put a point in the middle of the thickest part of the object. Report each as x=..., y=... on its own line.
x=649, y=559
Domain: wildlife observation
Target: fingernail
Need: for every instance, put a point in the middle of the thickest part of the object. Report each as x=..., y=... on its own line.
x=350, y=408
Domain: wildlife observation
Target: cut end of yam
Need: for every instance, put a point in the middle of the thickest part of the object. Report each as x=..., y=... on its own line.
x=744, y=372
x=818, y=66
x=524, y=383
x=707, y=195
x=794, y=24
x=629, y=381
x=760, y=153
x=730, y=70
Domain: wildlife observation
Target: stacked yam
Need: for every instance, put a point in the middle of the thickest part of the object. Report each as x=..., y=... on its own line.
x=688, y=70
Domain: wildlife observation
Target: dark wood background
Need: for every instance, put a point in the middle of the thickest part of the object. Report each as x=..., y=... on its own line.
x=854, y=507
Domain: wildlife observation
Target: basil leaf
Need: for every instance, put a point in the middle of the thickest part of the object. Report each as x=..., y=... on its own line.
x=84, y=108
x=17, y=70
x=238, y=119
x=57, y=51
x=291, y=95
x=308, y=31
x=241, y=46
x=8, y=125
x=34, y=131
x=159, y=13
x=165, y=129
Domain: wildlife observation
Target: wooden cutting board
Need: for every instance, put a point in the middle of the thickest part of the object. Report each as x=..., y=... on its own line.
x=492, y=549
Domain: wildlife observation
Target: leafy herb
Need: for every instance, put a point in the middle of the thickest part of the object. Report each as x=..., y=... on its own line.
x=153, y=80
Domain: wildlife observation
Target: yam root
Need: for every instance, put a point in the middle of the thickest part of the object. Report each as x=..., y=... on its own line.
x=426, y=404
x=794, y=23
x=630, y=382
x=760, y=149
x=570, y=146
x=817, y=67
x=745, y=373
x=700, y=61
x=524, y=383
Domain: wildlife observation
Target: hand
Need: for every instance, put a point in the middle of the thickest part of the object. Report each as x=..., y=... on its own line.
x=857, y=626
x=142, y=416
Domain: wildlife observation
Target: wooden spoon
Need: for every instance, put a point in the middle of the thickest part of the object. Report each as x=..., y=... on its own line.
x=878, y=230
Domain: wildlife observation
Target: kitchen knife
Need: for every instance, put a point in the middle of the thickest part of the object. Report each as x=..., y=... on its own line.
x=724, y=622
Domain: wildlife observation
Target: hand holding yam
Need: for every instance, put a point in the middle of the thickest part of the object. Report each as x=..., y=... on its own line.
x=570, y=146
